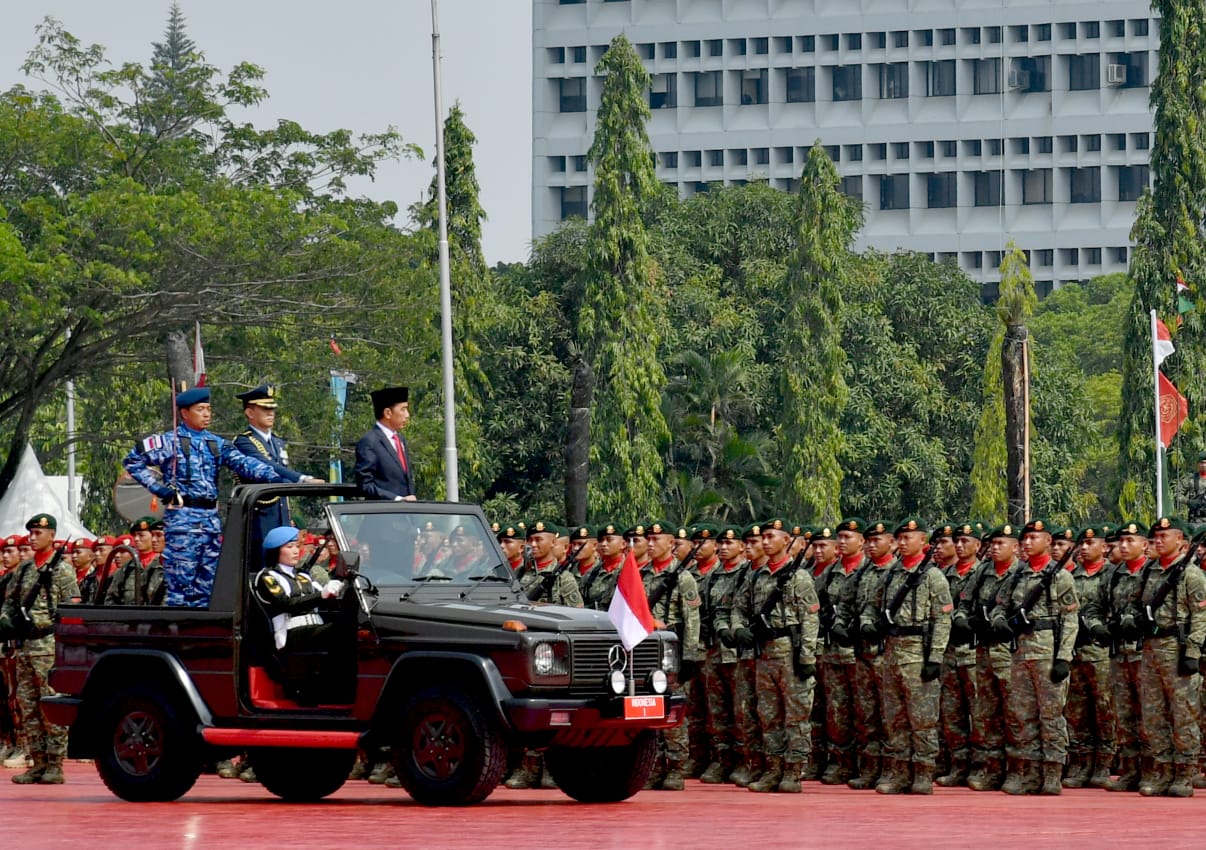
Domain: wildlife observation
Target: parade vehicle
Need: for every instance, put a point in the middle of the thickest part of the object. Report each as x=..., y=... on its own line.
x=446, y=667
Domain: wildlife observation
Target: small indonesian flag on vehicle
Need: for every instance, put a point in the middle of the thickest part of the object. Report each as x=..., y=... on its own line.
x=629, y=608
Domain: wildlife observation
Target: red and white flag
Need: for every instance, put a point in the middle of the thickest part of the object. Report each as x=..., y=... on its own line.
x=629, y=608
x=1174, y=409
x=198, y=359
x=1162, y=345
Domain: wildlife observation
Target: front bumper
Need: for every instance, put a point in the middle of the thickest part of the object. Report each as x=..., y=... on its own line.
x=570, y=715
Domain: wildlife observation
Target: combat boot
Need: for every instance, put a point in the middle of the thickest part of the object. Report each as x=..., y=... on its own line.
x=1078, y=772
x=749, y=770
x=1128, y=776
x=793, y=774
x=1101, y=771
x=247, y=774
x=524, y=776
x=1052, y=785
x=812, y=772
x=54, y=771
x=868, y=774
x=359, y=770
x=987, y=777
x=35, y=773
x=19, y=758
x=717, y=771
x=1182, y=784
x=1023, y=778
x=676, y=774
x=838, y=772
x=226, y=769
x=957, y=775
x=923, y=779
x=1158, y=782
x=381, y=772
x=894, y=779
x=547, y=783
x=772, y=775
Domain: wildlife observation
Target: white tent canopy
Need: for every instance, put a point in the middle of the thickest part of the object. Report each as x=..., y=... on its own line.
x=31, y=493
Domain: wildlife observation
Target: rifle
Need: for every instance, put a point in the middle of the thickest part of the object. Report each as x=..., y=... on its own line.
x=1172, y=577
x=671, y=578
x=547, y=580
x=312, y=558
x=1020, y=621
x=762, y=624
x=910, y=583
x=23, y=627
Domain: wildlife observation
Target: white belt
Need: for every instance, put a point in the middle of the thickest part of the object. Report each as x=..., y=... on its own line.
x=303, y=620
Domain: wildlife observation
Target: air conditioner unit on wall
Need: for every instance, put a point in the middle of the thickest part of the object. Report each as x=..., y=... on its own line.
x=1019, y=79
x=1115, y=74
x=660, y=84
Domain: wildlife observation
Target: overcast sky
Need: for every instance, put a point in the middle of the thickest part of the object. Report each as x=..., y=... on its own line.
x=359, y=64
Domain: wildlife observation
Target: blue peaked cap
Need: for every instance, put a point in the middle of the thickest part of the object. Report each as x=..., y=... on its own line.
x=279, y=536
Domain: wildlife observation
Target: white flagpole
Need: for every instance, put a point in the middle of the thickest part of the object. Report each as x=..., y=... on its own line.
x=1156, y=407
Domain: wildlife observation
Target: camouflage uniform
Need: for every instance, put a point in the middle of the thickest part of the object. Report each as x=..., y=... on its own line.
x=678, y=608
x=598, y=586
x=784, y=698
x=1034, y=707
x=918, y=637
x=868, y=675
x=836, y=590
x=47, y=742
x=134, y=584
x=1090, y=708
x=1123, y=585
x=1169, y=682
x=726, y=713
x=958, y=689
x=558, y=584
x=992, y=674
x=745, y=686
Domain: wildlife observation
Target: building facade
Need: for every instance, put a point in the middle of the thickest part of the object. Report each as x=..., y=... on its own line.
x=960, y=124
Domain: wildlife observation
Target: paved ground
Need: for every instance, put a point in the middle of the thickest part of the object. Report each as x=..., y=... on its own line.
x=221, y=813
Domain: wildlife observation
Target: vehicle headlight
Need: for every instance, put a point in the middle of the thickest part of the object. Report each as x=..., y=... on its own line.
x=550, y=658
x=657, y=681
x=544, y=658
x=670, y=656
x=617, y=682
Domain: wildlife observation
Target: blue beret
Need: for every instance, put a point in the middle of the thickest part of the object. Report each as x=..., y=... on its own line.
x=279, y=536
x=194, y=396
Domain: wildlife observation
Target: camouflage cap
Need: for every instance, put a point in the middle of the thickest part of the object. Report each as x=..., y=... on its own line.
x=1166, y=522
x=911, y=523
x=853, y=523
x=42, y=521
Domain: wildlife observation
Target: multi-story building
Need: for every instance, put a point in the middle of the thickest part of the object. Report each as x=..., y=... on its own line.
x=960, y=124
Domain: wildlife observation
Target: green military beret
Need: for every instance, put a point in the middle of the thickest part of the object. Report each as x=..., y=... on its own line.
x=1063, y=532
x=754, y=529
x=942, y=529
x=780, y=524
x=504, y=531
x=971, y=528
x=1093, y=532
x=730, y=532
x=637, y=530
x=608, y=529
x=705, y=531
x=145, y=523
x=42, y=521
x=807, y=531
x=1109, y=530
x=1173, y=522
x=878, y=526
x=1006, y=530
x=460, y=531
x=911, y=523
x=582, y=532
x=1035, y=525
x=1130, y=527
x=1201, y=456
x=659, y=526
x=683, y=532
x=824, y=532
x=853, y=523
x=542, y=527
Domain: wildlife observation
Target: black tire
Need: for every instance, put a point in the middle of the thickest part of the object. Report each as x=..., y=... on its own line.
x=302, y=775
x=448, y=752
x=603, y=774
x=148, y=750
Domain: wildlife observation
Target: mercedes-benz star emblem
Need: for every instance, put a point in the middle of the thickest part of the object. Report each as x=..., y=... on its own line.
x=616, y=660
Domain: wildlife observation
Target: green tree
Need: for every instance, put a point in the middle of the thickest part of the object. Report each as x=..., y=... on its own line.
x=619, y=325
x=810, y=362
x=1168, y=236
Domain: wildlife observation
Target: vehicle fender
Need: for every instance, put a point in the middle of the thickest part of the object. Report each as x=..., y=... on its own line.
x=415, y=670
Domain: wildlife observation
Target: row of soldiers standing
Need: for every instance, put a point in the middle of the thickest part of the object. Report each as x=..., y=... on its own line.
x=880, y=655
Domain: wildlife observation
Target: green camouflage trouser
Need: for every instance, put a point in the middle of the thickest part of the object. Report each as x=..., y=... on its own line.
x=837, y=680
x=1034, y=711
x=868, y=723
x=955, y=707
x=1169, y=704
x=33, y=683
x=745, y=686
x=910, y=714
x=784, y=710
x=1129, y=734
x=988, y=707
x=724, y=707
x=1090, y=711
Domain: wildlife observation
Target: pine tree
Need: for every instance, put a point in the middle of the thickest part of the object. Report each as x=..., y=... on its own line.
x=618, y=324
x=811, y=362
x=1168, y=236
x=171, y=89
x=997, y=473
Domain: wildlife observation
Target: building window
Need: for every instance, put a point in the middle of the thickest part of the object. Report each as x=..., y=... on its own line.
x=1067, y=30
x=761, y=46
x=986, y=76
x=739, y=156
x=669, y=49
x=879, y=151
x=692, y=48
x=1090, y=29
x=988, y=188
x=753, y=87
x=1084, y=72
x=801, y=85
x=847, y=82
x=557, y=164
x=1084, y=185
x=1093, y=256
x=1069, y=256
x=1132, y=180
x=854, y=153
x=925, y=36
x=669, y=159
x=834, y=152
x=1116, y=29
x=783, y=44
x=946, y=37
x=715, y=47
x=694, y=158
x=645, y=51
x=761, y=156
x=894, y=192
x=1119, y=254
x=1044, y=258
x=716, y=158
x=785, y=155
x=879, y=40
x=941, y=190
x=663, y=91
x=556, y=55
x=925, y=150
x=940, y=78
x=995, y=146
x=1139, y=26
x=973, y=147
x=1019, y=33
x=1141, y=141
x=808, y=43
x=708, y=88
x=1093, y=143
x=736, y=46
x=1127, y=70
x=900, y=150
x=971, y=35
x=1069, y=144
x=973, y=260
x=573, y=202
x=1020, y=145
x=854, y=41
x=1036, y=186
x=993, y=34
x=900, y=38
x=950, y=148
x=1042, y=144
x=573, y=94
x=893, y=80
x=1030, y=74
x=852, y=186
x=580, y=163
x=1042, y=32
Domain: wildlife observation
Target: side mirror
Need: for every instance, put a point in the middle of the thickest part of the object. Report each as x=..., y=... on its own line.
x=348, y=562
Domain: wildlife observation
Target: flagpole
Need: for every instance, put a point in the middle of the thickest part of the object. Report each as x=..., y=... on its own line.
x=1156, y=410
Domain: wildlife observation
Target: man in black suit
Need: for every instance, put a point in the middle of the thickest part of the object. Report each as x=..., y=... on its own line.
x=383, y=467
x=258, y=441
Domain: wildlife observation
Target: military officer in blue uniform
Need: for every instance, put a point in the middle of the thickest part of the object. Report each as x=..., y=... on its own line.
x=187, y=462
x=258, y=441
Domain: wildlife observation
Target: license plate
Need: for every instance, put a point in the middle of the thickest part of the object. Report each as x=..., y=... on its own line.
x=644, y=708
